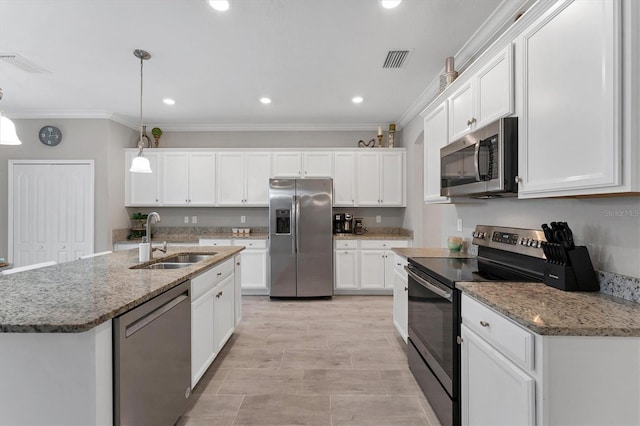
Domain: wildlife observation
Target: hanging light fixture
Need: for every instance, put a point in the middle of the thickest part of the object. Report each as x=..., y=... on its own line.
x=140, y=164
x=8, y=135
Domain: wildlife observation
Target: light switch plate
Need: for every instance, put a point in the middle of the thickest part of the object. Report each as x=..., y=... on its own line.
x=460, y=225
x=378, y=219
x=243, y=219
x=194, y=219
x=186, y=219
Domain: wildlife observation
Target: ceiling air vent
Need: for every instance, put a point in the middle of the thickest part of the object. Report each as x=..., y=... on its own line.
x=23, y=63
x=396, y=58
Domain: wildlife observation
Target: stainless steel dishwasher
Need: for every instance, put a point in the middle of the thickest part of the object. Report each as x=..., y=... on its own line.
x=152, y=360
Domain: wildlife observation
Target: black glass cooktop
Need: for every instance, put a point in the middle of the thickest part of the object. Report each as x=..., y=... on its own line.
x=450, y=270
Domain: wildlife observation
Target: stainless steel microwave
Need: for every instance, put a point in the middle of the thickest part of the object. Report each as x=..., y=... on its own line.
x=483, y=163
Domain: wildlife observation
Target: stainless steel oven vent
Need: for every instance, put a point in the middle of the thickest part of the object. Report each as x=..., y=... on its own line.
x=396, y=58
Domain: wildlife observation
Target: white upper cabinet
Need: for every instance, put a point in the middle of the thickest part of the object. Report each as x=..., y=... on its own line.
x=380, y=178
x=435, y=137
x=317, y=164
x=570, y=109
x=287, y=164
x=461, y=112
x=188, y=179
x=485, y=97
x=142, y=189
x=344, y=179
x=244, y=178
x=257, y=174
x=302, y=164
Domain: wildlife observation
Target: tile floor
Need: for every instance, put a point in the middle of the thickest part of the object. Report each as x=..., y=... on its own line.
x=321, y=362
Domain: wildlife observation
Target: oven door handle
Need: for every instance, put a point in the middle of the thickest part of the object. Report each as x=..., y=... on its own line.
x=436, y=289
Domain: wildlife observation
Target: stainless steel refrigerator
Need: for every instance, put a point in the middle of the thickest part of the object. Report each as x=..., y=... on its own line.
x=301, y=237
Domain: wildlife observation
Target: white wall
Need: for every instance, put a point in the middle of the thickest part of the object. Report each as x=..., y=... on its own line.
x=89, y=139
x=608, y=226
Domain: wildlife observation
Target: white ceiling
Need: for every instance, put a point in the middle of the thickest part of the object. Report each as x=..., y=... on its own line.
x=310, y=56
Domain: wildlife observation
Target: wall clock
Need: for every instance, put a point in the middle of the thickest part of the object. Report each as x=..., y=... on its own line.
x=50, y=135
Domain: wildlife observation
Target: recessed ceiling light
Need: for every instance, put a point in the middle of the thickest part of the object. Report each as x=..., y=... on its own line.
x=265, y=100
x=219, y=5
x=390, y=4
x=169, y=101
x=357, y=100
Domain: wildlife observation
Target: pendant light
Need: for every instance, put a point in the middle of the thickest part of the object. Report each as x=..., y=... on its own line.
x=140, y=164
x=8, y=135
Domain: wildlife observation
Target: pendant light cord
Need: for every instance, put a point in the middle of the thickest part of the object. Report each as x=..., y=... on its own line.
x=140, y=142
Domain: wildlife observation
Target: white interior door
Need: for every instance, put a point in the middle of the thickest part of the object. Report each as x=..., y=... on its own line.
x=51, y=211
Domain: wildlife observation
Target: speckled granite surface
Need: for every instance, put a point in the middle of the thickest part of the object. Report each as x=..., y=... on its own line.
x=429, y=252
x=189, y=234
x=77, y=296
x=617, y=285
x=378, y=234
x=549, y=311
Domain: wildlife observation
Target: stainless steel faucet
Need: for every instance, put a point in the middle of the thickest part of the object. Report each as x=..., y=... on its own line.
x=156, y=218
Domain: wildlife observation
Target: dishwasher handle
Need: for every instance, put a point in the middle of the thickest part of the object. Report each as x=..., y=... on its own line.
x=141, y=323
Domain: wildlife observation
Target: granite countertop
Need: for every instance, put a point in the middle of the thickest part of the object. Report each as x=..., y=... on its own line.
x=548, y=311
x=429, y=252
x=79, y=295
x=378, y=234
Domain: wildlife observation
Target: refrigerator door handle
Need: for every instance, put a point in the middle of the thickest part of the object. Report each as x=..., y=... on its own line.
x=296, y=210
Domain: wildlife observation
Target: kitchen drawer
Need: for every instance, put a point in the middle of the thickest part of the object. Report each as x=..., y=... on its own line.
x=383, y=244
x=399, y=262
x=509, y=338
x=215, y=242
x=207, y=280
x=345, y=244
x=251, y=244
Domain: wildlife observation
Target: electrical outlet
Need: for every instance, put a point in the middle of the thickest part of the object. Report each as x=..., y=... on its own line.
x=243, y=219
x=194, y=219
x=186, y=219
x=460, y=225
x=378, y=219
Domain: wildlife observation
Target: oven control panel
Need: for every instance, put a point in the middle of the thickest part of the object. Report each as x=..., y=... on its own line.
x=516, y=240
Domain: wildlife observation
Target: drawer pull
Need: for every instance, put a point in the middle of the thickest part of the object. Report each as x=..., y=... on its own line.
x=484, y=323
x=406, y=289
x=219, y=273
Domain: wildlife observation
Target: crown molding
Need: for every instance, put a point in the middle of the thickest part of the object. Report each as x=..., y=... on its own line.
x=68, y=114
x=490, y=30
x=283, y=127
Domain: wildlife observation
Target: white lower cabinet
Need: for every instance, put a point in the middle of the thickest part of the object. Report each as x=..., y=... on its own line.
x=365, y=266
x=253, y=262
x=400, y=297
x=346, y=268
x=237, y=277
x=213, y=318
x=224, y=312
x=512, y=376
x=494, y=390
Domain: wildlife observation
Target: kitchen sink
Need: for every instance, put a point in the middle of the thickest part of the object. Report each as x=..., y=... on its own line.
x=177, y=261
x=166, y=265
x=187, y=258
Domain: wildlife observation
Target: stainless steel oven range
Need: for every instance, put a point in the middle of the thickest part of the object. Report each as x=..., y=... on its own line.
x=504, y=254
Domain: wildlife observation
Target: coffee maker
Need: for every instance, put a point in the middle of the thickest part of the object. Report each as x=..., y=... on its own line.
x=342, y=223
x=358, y=228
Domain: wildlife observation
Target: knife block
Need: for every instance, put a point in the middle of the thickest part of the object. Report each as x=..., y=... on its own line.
x=577, y=275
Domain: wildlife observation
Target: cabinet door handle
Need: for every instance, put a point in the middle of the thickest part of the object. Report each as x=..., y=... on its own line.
x=406, y=289
x=518, y=179
x=219, y=273
x=238, y=263
x=484, y=323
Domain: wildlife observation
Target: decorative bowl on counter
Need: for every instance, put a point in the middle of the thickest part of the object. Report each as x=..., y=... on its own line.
x=454, y=244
